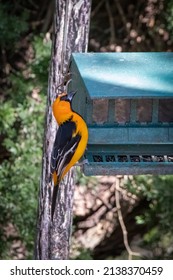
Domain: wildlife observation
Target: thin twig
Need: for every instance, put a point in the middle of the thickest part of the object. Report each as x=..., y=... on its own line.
x=121, y=221
x=111, y=22
x=122, y=14
x=97, y=8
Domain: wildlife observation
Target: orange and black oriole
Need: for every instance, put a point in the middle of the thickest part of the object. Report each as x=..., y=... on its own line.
x=70, y=141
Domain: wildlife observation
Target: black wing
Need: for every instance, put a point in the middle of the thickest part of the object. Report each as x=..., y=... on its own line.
x=64, y=147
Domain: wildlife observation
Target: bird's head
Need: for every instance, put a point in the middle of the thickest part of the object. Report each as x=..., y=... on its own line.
x=62, y=105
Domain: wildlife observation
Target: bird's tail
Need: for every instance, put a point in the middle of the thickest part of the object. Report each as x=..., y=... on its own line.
x=54, y=197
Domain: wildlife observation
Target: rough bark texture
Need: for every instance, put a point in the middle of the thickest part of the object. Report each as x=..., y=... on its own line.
x=71, y=30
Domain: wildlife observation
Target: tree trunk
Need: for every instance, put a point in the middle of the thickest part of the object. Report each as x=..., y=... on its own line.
x=71, y=30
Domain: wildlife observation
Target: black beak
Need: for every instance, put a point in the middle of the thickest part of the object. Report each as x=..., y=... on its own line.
x=70, y=95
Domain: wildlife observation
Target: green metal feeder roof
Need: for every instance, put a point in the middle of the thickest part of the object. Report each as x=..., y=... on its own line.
x=126, y=75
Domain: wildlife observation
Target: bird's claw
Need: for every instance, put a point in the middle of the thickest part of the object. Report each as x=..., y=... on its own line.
x=84, y=161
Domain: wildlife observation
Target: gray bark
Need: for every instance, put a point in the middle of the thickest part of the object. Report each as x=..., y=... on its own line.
x=71, y=30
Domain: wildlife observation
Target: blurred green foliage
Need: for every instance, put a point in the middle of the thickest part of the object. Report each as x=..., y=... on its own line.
x=83, y=254
x=158, y=218
x=158, y=190
x=12, y=24
x=169, y=16
x=22, y=117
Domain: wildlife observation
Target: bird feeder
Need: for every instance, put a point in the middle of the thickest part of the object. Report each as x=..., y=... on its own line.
x=126, y=100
